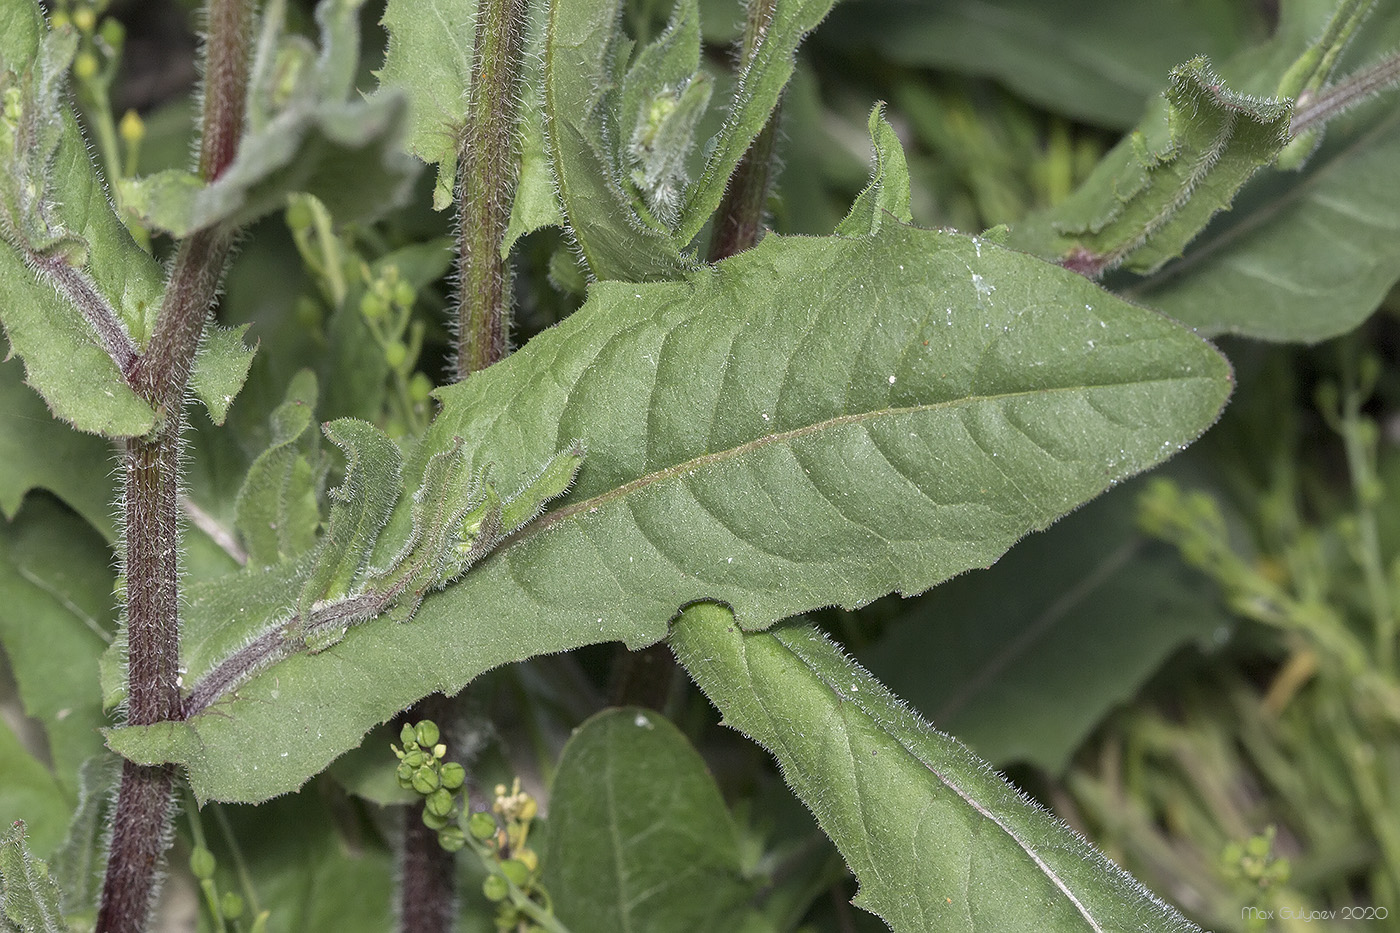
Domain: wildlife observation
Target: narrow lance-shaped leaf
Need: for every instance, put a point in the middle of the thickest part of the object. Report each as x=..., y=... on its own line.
x=75, y=290
x=757, y=91
x=938, y=841
x=1161, y=185
x=815, y=421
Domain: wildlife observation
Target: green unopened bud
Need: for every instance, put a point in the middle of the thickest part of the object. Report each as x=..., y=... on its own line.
x=435, y=822
x=517, y=871
x=440, y=751
x=202, y=863
x=425, y=780
x=452, y=839
x=374, y=308
x=395, y=354
x=420, y=387
x=132, y=128
x=231, y=906
x=452, y=775
x=60, y=20
x=85, y=19
x=113, y=33
x=440, y=802
x=300, y=215
x=403, y=295
x=427, y=733
x=495, y=888
x=404, y=773
x=482, y=826
x=85, y=66
x=415, y=757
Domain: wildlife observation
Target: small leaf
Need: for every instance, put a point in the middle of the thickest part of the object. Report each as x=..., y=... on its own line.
x=430, y=59
x=663, y=850
x=362, y=504
x=888, y=191
x=221, y=368
x=41, y=452
x=757, y=91
x=584, y=57
x=75, y=292
x=28, y=896
x=276, y=510
x=937, y=840
x=345, y=153
x=79, y=864
x=1161, y=185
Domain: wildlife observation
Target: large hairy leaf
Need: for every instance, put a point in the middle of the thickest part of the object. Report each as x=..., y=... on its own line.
x=938, y=841
x=814, y=421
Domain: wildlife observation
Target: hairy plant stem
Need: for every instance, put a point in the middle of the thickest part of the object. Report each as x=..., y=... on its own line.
x=160, y=375
x=1316, y=109
x=487, y=162
x=740, y=216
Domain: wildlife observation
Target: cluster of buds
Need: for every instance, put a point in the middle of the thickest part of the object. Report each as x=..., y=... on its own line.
x=423, y=768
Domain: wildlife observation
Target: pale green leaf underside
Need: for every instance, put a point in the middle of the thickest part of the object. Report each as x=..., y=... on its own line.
x=938, y=841
x=28, y=896
x=815, y=421
x=632, y=791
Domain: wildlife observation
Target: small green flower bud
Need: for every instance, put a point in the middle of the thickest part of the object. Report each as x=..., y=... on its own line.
x=299, y=215
x=420, y=387
x=85, y=19
x=427, y=733
x=482, y=826
x=452, y=775
x=403, y=295
x=404, y=773
x=202, y=863
x=425, y=780
x=529, y=858
x=433, y=821
x=495, y=888
x=59, y=20
x=374, y=308
x=114, y=34
x=415, y=757
x=452, y=839
x=85, y=66
x=395, y=354
x=440, y=802
x=132, y=128
x=231, y=906
x=529, y=808
x=516, y=870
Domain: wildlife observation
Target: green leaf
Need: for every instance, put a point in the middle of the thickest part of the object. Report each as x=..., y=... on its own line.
x=28, y=896
x=347, y=154
x=1098, y=65
x=40, y=452
x=758, y=89
x=277, y=511
x=28, y=791
x=1022, y=660
x=938, y=841
x=69, y=270
x=430, y=59
x=1161, y=185
x=584, y=59
x=362, y=504
x=79, y=864
x=221, y=368
x=663, y=852
x=888, y=191
x=1305, y=255
x=773, y=433
x=56, y=574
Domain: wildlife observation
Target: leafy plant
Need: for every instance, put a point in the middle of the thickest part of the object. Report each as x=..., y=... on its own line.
x=723, y=431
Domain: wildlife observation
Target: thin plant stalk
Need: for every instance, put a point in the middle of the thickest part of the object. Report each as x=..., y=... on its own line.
x=160, y=375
